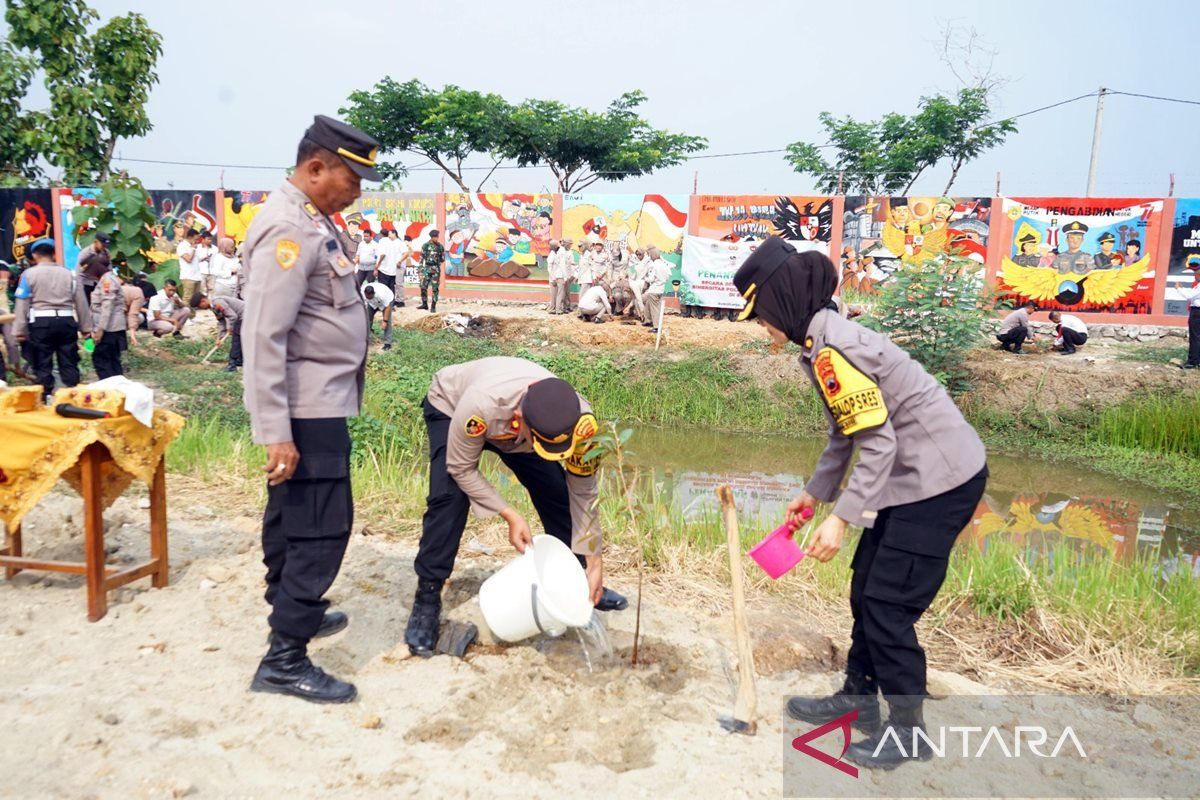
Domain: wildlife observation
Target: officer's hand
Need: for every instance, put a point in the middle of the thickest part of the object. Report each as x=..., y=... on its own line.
x=595, y=577
x=282, y=460
x=519, y=535
x=22, y=339
x=797, y=506
x=97, y=336
x=827, y=541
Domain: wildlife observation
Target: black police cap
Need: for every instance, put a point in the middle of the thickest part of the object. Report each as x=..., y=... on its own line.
x=356, y=148
x=756, y=270
x=551, y=410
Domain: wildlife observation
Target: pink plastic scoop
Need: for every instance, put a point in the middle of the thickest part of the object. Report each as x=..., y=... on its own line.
x=779, y=552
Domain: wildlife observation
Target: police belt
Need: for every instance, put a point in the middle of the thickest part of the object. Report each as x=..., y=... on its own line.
x=51, y=312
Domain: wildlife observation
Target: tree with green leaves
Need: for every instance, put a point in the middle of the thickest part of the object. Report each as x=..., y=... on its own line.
x=99, y=84
x=935, y=310
x=444, y=126
x=582, y=147
x=123, y=211
x=886, y=156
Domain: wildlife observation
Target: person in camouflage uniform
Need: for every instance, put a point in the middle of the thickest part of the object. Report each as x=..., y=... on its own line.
x=432, y=256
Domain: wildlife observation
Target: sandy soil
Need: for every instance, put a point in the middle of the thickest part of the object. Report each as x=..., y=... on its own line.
x=151, y=701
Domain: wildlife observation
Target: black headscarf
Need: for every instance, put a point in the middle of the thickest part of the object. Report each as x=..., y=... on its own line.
x=789, y=296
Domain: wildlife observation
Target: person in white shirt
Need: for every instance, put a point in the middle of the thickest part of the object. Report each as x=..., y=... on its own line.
x=593, y=266
x=203, y=260
x=1191, y=296
x=168, y=313
x=367, y=256
x=225, y=269
x=1071, y=332
x=558, y=271
x=658, y=272
x=389, y=269
x=594, y=305
x=640, y=268
x=379, y=298
x=189, y=268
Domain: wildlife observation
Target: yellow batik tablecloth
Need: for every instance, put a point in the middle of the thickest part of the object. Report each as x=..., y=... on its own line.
x=38, y=447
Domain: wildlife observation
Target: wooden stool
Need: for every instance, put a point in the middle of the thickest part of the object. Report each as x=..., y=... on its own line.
x=101, y=579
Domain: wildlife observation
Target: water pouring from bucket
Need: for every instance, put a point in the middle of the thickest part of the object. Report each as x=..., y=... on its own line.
x=779, y=551
x=543, y=590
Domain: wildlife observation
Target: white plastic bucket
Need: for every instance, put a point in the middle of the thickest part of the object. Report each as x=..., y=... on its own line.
x=543, y=590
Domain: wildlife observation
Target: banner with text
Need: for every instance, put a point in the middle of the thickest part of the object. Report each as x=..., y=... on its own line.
x=708, y=268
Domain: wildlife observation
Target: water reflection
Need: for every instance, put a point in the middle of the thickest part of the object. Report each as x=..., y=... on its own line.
x=1045, y=508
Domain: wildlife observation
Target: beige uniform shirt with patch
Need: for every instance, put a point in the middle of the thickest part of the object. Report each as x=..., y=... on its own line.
x=481, y=397
x=912, y=441
x=305, y=330
x=51, y=288
x=108, y=305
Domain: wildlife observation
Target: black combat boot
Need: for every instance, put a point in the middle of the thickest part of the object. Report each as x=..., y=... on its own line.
x=423, y=623
x=331, y=623
x=285, y=669
x=433, y=307
x=894, y=744
x=858, y=692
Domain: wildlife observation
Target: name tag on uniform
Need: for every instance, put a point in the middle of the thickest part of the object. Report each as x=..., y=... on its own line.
x=854, y=400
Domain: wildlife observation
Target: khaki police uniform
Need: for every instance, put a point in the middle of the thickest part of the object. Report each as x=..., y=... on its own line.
x=470, y=409
x=658, y=272
x=920, y=474
x=305, y=333
x=229, y=312
x=109, y=323
x=51, y=311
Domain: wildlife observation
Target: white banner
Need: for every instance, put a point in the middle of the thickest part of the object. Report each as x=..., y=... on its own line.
x=709, y=265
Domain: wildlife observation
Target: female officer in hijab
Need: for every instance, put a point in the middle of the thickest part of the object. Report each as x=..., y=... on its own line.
x=920, y=474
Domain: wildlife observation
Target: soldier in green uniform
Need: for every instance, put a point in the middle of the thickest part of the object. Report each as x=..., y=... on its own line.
x=432, y=256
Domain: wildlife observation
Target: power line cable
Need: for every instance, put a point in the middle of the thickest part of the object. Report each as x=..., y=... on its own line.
x=702, y=156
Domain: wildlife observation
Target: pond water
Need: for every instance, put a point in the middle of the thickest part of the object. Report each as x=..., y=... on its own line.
x=1042, y=505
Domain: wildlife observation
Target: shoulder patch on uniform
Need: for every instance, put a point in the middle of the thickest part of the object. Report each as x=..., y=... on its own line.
x=475, y=427
x=287, y=253
x=23, y=291
x=854, y=400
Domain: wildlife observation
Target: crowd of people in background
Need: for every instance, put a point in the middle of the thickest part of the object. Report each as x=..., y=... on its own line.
x=613, y=283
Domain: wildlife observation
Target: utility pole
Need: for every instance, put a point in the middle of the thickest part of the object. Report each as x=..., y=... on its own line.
x=1171, y=191
x=695, y=182
x=1091, y=183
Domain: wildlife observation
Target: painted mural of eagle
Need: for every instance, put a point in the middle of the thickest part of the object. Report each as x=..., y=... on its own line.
x=1099, y=287
x=805, y=226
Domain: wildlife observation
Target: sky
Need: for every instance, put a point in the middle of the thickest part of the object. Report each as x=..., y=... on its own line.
x=240, y=81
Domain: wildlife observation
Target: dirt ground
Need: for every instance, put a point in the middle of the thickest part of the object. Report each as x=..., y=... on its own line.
x=152, y=701
x=1097, y=374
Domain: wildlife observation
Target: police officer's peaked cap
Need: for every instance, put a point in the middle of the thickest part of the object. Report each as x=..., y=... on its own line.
x=104, y=239
x=1028, y=238
x=42, y=246
x=551, y=409
x=1075, y=227
x=898, y=202
x=356, y=148
x=1107, y=237
x=758, y=269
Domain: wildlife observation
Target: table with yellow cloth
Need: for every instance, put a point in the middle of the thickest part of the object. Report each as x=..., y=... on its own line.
x=99, y=458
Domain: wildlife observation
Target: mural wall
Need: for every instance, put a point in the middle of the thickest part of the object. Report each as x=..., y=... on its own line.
x=628, y=221
x=881, y=234
x=26, y=215
x=805, y=221
x=1082, y=254
x=1185, y=247
x=238, y=210
x=498, y=236
x=376, y=213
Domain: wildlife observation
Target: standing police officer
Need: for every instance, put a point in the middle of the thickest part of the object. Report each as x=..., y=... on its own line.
x=919, y=476
x=305, y=335
x=51, y=311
